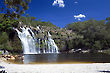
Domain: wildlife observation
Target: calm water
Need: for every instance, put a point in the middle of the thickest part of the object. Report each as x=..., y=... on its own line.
x=67, y=58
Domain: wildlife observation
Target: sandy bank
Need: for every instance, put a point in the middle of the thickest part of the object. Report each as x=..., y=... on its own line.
x=56, y=68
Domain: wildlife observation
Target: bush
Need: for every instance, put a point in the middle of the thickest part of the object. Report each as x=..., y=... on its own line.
x=96, y=35
x=3, y=38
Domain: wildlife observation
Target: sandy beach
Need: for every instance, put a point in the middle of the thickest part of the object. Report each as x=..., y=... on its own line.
x=56, y=68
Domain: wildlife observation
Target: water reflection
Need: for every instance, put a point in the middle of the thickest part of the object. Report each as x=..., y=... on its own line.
x=67, y=58
x=40, y=58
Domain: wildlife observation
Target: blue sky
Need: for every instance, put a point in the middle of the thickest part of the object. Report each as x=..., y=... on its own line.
x=63, y=13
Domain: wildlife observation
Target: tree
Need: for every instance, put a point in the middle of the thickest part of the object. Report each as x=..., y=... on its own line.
x=95, y=34
x=27, y=20
x=6, y=24
x=4, y=41
x=14, y=8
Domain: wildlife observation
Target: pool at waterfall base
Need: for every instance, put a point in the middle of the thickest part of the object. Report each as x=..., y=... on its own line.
x=66, y=58
x=49, y=52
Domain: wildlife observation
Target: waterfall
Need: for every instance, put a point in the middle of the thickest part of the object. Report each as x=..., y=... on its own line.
x=52, y=47
x=28, y=41
x=39, y=45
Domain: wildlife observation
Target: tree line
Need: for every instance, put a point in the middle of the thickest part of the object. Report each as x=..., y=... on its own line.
x=96, y=34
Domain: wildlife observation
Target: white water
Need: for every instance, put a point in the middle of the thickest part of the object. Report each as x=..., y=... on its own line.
x=27, y=40
x=29, y=44
x=52, y=47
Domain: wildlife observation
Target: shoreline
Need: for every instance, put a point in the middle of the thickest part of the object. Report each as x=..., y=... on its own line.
x=34, y=63
x=56, y=68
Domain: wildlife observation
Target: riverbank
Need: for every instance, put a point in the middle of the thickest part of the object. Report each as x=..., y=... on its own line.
x=56, y=68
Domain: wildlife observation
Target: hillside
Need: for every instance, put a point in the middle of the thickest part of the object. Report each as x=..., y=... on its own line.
x=89, y=35
x=61, y=36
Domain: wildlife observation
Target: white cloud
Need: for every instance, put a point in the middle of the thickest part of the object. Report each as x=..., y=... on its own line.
x=79, y=16
x=75, y=2
x=59, y=2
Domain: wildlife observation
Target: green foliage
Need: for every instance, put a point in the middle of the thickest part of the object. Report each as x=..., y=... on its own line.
x=16, y=45
x=96, y=35
x=3, y=38
x=97, y=45
x=10, y=45
x=4, y=41
x=90, y=34
x=31, y=21
x=107, y=51
x=11, y=11
x=6, y=24
x=14, y=8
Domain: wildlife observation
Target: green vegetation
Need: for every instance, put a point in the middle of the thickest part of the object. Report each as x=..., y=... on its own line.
x=91, y=35
x=8, y=37
x=4, y=41
x=6, y=24
x=11, y=11
x=14, y=8
x=11, y=45
x=31, y=21
x=96, y=35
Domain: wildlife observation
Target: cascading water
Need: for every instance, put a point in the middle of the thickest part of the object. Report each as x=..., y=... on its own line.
x=52, y=47
x=28, y=41
x=39, y=45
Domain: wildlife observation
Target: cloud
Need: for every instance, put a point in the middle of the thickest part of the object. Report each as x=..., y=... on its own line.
x=60, y=3
x=75, y=2
x=79, y=16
